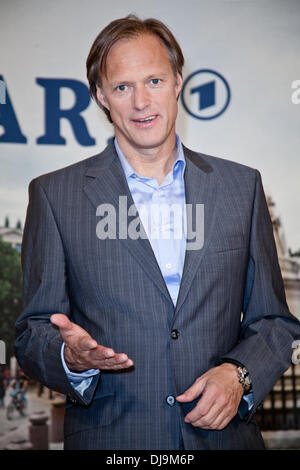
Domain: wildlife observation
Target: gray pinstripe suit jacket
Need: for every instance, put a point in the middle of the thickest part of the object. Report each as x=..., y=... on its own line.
x=115, y=290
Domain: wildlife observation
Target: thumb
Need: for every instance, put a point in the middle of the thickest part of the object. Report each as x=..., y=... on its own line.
x=193, y=392
x=71, y=332
x=62, y=322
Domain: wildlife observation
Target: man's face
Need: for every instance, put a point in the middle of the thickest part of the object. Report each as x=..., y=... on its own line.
x=140, y=91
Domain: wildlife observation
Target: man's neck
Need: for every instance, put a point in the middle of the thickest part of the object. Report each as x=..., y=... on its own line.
x=154, y=162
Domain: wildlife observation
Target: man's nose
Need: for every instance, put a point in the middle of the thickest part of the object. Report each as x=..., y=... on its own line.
x=141, y=98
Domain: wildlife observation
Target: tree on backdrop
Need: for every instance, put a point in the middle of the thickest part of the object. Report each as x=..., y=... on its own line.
x=10, y=294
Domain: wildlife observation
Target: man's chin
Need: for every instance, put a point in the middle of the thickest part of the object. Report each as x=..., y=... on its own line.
x=149, y=142
x=144, y=139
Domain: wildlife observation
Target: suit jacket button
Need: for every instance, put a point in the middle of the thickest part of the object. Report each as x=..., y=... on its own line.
x=174, y=334
x=170, y=400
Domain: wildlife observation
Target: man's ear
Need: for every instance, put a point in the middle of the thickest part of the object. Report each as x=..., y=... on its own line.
x=101, y=98
x=178, y=84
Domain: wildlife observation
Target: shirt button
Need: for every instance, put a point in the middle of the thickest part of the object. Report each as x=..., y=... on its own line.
x=168, y=265
x=174, y=334
x=170, y=400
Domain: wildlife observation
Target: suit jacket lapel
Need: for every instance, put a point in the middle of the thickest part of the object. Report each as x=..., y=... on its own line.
x=201, y=187
x=105, y=183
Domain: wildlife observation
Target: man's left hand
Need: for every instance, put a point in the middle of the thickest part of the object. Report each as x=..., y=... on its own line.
x=221, y=396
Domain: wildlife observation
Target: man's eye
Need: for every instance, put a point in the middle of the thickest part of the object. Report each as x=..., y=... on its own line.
x=155, y=81
x=122, y=88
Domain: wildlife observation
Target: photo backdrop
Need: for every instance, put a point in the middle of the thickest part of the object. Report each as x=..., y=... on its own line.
x=241, y=97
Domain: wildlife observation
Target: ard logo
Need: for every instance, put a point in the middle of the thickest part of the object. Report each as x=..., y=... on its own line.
x=205, y=94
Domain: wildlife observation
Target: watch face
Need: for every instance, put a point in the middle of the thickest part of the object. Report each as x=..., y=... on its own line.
x=244, y=378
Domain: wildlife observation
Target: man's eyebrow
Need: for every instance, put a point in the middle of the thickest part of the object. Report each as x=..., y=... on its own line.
x=157, y=75
x=116, y=83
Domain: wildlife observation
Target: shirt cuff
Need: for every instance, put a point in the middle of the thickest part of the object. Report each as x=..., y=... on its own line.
x=246, y=406
x=249, y=400
x=80, y=381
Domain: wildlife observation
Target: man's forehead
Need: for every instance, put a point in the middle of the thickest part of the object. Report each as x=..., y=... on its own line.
x=146, y=54
x=133, y=41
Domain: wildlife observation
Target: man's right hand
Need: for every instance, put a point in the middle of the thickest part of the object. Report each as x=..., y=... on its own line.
x=82, y=352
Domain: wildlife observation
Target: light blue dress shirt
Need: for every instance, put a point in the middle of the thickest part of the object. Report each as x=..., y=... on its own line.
x=161, y=208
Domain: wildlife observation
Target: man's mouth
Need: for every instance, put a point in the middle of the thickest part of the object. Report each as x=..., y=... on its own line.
x=145, y=120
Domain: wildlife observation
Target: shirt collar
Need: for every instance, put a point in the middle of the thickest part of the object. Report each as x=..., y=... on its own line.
x=129, y=171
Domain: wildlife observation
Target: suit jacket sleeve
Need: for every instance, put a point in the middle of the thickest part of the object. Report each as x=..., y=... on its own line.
x=38, y=343
x=268, y=328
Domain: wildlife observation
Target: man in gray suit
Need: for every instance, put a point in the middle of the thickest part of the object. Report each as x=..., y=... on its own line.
x=159, y=342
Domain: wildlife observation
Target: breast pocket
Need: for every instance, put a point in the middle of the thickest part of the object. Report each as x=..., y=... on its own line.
x=229, y=243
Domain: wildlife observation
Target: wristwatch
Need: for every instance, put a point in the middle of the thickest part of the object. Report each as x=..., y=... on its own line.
x=244, y=378
x=242, y=373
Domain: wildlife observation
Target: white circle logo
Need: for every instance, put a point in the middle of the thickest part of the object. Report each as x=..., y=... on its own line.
x=205, y=94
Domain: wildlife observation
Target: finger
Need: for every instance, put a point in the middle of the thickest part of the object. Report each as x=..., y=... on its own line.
x=102, y=353
x=203, y=419
x=117, y=366
x=116, y=360
x=106, y=357
x=124, y=365
x=205, y=406
x=86, y=343
x=108, y=353
x=193, y=392
x=219, y=422
x=223, y=423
